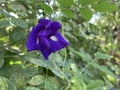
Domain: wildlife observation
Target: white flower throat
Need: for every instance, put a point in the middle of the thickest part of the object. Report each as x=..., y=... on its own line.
x=53, y=38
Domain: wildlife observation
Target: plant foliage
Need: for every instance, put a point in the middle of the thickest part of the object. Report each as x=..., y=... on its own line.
x=90, y=62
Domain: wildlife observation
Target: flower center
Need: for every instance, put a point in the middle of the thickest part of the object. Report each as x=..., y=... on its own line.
x=37, y=40
x=53, y=38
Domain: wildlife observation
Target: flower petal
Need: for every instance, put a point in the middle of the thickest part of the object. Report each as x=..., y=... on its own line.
x=53, y=28
x=55, y=45
x=46, y=52
x=58, y=44
x=46, y=38
x=44, y=42
x=44, y=22
x=32, y=38
x=50, y=29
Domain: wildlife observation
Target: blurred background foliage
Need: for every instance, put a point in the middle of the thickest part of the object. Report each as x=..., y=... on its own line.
x=92, y=60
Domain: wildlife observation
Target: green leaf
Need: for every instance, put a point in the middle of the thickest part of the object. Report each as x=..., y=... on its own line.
x=29, y=72
x=99, y=55
x=65, y=3
x=37, y=61
x=36, y=80
x=4, y=13
x=104, y=69
x=83, y=55
x=32, y=88
x=6, y=84
x=19, y=22
x=17, y=7
x=17, y=35
x=87, y=2
x=57, y=71
x=51, y=84
x=57, y=62
x=78, y=83
x=1, y=46
x=1, y=62
x=95, y=84
x=86, y=13
x=2, y=1
x=8, y=53
x=12, y=50
x=54, y=80
x=47, y=9
x=105, y=7
x=4, y=23
x=68, y=13
x=19, y=80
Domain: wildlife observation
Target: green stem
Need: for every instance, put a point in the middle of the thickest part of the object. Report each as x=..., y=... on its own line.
x=46, y=76
x=87, y=65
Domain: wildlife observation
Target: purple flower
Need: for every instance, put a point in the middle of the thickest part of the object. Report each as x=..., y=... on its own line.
x=45, y=36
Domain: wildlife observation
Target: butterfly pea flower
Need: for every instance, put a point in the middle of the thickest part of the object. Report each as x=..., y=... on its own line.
x=45, y=37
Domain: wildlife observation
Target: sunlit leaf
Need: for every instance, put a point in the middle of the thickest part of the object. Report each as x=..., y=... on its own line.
x=46, y=8
x=87, y=2
x=65, y=3
x=68, y=13
x=86, y=13
x=105, y=7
